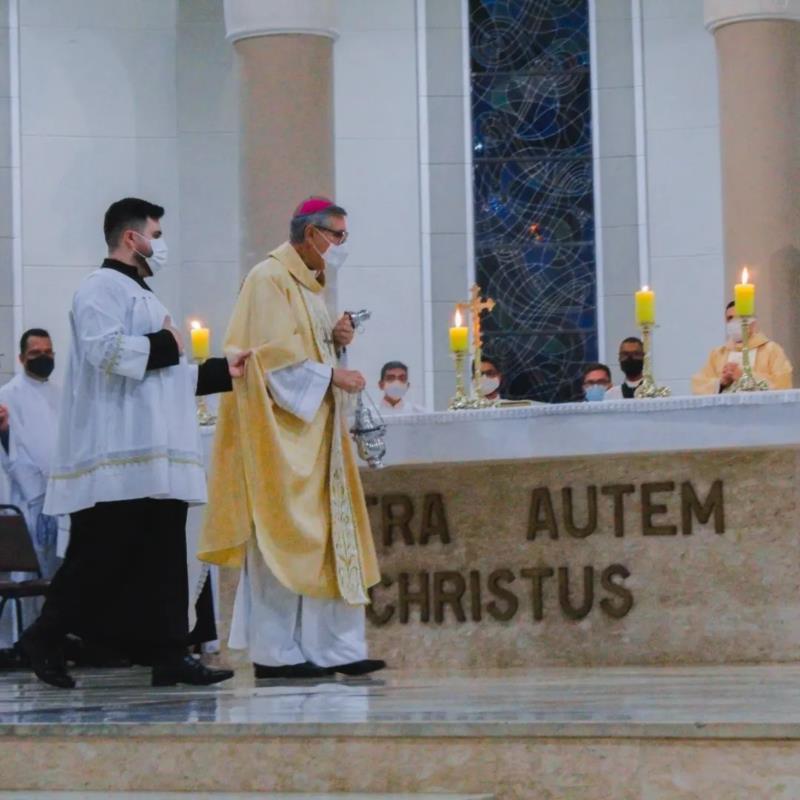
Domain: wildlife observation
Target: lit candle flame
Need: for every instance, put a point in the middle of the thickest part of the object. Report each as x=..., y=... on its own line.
x=196, y=324
x=457, y=319
x=744, y=275
x=645, y=288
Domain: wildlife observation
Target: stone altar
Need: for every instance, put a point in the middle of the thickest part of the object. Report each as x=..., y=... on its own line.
x=628, y=532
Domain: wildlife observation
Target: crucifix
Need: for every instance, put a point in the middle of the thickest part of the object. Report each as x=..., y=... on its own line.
x=476, y=306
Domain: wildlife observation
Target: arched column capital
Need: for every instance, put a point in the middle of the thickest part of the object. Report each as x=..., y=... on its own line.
x=246, y=19
x=725, y=12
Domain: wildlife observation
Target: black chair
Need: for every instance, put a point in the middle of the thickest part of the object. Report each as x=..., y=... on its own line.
x=18, y=555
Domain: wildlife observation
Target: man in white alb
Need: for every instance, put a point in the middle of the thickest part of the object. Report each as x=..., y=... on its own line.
x=29, y=405
x=127, y=464
x=394, y=385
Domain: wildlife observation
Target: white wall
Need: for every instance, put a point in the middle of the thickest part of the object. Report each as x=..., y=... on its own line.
x=208, y=166
x=684, y=187
x=377, y=181
x=97, y=123
x=10, y=301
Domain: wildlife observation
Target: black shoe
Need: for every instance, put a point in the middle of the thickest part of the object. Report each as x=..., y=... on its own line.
x=12, y=658
x=305, y=670
x=88, y=654
x=362, y=667
x=188, y=670
x=47, y=660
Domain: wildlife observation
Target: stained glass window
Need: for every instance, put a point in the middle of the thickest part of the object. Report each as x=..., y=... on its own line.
x=534, y=213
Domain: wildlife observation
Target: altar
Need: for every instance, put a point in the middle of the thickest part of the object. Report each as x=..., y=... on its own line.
x=614, y=533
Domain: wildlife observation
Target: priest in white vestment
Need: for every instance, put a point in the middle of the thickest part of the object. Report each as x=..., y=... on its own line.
x=29, y=405
x=285, y=500
x=127, y=465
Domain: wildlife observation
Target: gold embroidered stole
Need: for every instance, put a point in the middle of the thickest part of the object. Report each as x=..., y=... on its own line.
x=349, y=574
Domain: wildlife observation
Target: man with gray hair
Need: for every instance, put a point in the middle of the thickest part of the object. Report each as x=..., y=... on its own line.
x=286, y=501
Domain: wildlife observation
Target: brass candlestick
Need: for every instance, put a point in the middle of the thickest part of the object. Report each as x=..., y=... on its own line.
x=459, y=400
x=748, y=382
x=204, y=415
x=478, y=400
x=648, y=388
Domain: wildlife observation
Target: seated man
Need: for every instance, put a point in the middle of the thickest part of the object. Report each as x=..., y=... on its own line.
x=491, y=378
x=724, y=365
x=631, y=362
x=29, y=405
x=596, y=382
x=394, y=385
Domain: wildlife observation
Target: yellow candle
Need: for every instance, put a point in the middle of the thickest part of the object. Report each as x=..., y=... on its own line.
x=645, y=306
x=459, y=335
x=201, y=341
x=744, y=295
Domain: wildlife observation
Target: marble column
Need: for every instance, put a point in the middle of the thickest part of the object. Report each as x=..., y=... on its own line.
x=285, y=71
x=758, y=51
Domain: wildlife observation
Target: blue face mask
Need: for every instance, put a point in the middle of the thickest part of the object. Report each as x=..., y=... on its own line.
x=595, y=393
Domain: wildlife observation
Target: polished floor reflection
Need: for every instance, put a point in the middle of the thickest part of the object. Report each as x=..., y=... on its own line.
x=759, y=701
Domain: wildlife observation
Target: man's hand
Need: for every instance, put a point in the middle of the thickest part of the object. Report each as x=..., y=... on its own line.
x=237, y=363
x=349, y=380
x=3, y=418
x=730, y=372
x=343, y=331
x=168, y=326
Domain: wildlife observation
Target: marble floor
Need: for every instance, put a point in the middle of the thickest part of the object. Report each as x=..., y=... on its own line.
x=23, y=795
x=683, y=702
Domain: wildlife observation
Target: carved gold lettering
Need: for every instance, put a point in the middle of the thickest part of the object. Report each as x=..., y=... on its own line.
x=618, y=491
x=692, y=507
x=434, y=520
x=568, y=511
x=494, y=583
x=542, y=517
x=651, y=509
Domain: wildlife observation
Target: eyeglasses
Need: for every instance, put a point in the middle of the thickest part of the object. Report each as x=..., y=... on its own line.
x=340, y=237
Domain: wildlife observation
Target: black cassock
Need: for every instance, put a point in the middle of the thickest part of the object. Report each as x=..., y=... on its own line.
x=123, y=582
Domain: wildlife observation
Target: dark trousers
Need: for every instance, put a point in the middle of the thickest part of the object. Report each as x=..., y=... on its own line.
x=123, y=582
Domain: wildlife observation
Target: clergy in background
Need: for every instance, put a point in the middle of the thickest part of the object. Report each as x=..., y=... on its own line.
x=285, y=497
x=127, y=463
x=394, y=384
x=29, y=405
x=724, y=365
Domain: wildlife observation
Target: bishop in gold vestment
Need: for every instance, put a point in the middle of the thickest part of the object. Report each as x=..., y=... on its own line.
x=724, y=364
x=285, y=497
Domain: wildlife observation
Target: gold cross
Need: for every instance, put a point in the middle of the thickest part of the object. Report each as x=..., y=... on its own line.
x=476, y=306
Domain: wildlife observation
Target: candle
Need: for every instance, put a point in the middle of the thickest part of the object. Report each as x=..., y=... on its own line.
x=744, y=295
x=645, y=306
x=459, y=335
x=201, y=341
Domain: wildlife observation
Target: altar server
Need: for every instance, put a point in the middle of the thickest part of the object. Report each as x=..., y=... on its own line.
x=285, y=497
x=724, y=365
x=127, y=464
x=29, y=405
x=394, y=384
x=491, y=380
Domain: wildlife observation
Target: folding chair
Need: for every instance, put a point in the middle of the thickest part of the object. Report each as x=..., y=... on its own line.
x=18, y=555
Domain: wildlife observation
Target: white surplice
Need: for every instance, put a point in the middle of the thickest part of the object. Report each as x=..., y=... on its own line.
x=33, y=424
x=275, y=625
x=124, y=432
x=403, y=406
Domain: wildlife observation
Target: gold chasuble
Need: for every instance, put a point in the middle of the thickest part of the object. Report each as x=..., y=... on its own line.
x=767, y=358
x=293, y=485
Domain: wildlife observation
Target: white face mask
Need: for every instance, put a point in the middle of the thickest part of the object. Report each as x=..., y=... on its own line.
x=733, y=329
x=335, y=256
x=489, y=386
x=396, y=390
x=157, y=260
